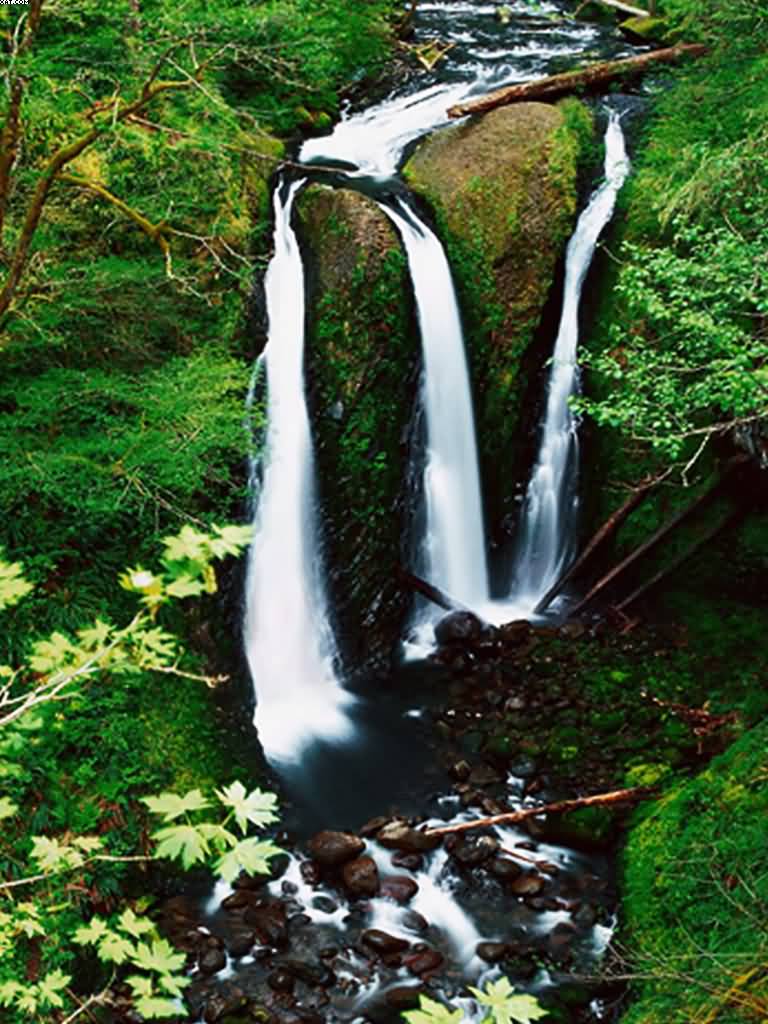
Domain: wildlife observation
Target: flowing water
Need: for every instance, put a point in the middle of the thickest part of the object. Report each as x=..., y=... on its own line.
x=452, y=554
x=289, y=643
x=302, y=709
x=547, y=529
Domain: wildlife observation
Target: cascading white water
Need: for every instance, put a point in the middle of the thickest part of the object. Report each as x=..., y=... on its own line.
x=547, y=523
x=288, y=640
x=454, y=539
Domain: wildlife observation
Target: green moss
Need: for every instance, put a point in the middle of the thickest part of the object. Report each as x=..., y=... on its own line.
x=696, y=892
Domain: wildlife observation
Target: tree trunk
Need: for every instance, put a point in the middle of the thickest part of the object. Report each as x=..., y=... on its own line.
x=609, y=527
x=597, y=77
x=430, y=591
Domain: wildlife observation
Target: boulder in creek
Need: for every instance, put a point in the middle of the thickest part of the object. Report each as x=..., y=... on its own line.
x=492, y=952
x=361, y=876
x=397, y=835
x=503, y=189
x=270, y=923
x=362, y=372
x=212, y=960
x=399, y=888
x=423, y=961
x=459, y=627
x=383, y=943
x=332, y=849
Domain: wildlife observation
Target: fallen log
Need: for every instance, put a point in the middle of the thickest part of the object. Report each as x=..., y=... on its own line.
x=429, y=590
x=663, y=531
x=618, y=796
x=594, y=77
x=609, y=527
x=616, y=5
x=730, y=520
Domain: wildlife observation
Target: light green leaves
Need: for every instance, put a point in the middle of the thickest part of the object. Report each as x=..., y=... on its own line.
x=250, y=855
x=192, y=841
x=255, y=807
x=507, y=1006
x=51, y=855
x=432, y=1012
x=32, y=999
x=171, y=806
x=157, y=990
x=13, y=586
x=8, y=809
x=182, y=842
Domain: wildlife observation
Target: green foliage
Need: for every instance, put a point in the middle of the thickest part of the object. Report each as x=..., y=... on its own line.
x=39, y=864
x=505, y=1006
x=696, y=894
x=678, y=357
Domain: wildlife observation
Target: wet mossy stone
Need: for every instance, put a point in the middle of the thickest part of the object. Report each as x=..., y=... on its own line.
x=503, y=189
x=362, y=360
x=646, y=29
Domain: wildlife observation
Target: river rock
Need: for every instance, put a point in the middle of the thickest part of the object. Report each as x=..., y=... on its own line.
x=362, y=361
x=408, y=861
x=492, y=952
x=471, y=852
x=504, y=869
x=423, y=962
x=223, y=1005
x=527, y=884
x=331, y=849
x=404, y=997
x=212, y=960
x=241, y=943
x=361, y=876
x=458, y=627
x=382, y=942
x=397, y=835
x=399, y=888
x=269, y=923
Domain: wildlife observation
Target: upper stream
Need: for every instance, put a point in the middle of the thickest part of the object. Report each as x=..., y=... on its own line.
x=327, y=742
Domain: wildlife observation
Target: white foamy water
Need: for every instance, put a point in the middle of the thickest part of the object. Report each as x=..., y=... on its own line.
x=289, y=644
x=547, y=526
x=452, y=553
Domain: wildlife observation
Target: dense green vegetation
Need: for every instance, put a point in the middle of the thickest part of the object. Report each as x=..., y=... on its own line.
x=676, y=363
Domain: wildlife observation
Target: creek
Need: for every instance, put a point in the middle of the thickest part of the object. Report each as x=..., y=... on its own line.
x=356, y=937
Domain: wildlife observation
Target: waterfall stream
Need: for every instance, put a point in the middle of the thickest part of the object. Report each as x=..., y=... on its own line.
x=289, y=643
x=547, y=530
x=305, y=718
x=453, y=545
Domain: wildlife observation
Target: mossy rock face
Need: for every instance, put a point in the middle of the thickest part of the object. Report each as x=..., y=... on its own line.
x=503, y=190
x=362, y=362
x=646, y=30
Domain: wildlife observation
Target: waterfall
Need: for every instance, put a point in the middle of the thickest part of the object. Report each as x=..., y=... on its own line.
x=289, y=643
x=453, y=550
x=547, y=527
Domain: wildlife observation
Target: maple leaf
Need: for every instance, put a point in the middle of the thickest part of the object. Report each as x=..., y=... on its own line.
x=250, y=855
x=432, y=1012
x=135, y=926
x=257, y=807
x=182, y=842
x=51, y=986
x=160, y=957
x=172, y=806
x=8, y=809
x=507, y=1006
x=155, y=1007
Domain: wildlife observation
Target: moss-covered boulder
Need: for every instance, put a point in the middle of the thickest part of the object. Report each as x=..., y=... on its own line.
x=646, y=29
x=503, y=190
x=695, y=889
x=362, y=366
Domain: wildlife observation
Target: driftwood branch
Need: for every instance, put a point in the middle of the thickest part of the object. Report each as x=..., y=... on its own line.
x=609, y=527
x=597, y=76
x=618, y=796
